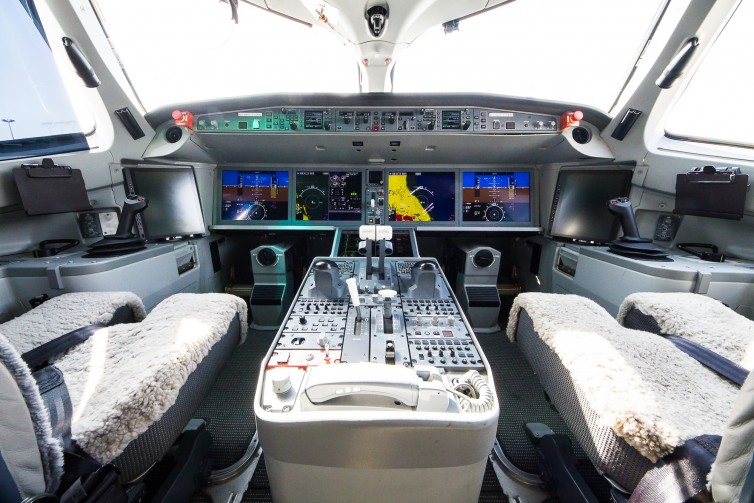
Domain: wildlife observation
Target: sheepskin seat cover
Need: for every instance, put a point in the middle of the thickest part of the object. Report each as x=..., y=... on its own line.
x=648, y=392
x=66, y=313
x=700, y=319
x=124, y=377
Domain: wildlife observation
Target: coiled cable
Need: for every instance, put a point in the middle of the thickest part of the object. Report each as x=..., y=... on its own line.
x=473, y=392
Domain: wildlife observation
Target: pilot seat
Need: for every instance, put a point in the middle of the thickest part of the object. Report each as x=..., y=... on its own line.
x=648, y=415
x=121, y=394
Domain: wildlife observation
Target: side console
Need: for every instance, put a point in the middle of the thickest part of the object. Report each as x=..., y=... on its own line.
x=375, y=375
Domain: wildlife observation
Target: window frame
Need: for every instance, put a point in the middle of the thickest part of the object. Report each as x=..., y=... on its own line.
x=37, y=146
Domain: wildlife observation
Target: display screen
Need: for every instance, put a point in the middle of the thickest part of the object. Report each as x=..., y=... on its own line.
x=328, y=195
x=579, y=209
x=496, y=197
x=348, y=245
x=451, y=119
x=421, y=197
x=174, y=209
x=254, y=195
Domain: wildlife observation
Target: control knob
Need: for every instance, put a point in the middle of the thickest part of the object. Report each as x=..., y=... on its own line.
x=281, y=380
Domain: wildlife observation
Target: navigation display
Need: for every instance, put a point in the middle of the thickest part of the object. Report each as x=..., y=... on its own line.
x=254, y=195
x=328, y=195
x=421, y=197
x=495, y=197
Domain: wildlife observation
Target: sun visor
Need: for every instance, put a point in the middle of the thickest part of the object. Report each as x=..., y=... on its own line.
x=47, y=188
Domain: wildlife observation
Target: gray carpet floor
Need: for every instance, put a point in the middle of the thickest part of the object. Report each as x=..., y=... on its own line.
x=229, y=407
x=259, y=488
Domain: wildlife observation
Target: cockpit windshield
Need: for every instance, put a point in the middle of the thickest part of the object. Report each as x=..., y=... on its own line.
x=568, y=50
x=578, y=51
x=176, y=51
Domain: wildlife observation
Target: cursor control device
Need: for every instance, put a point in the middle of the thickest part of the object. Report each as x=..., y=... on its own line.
x=622, y=207
x=631, y=244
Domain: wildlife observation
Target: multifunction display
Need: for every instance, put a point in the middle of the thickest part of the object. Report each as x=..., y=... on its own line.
x=421, y=196
x=254, y=195
x=495, y=197
x=328, y=195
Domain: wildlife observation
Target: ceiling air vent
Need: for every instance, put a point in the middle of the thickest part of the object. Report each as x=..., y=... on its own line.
x=581, y=135
x=173, y=134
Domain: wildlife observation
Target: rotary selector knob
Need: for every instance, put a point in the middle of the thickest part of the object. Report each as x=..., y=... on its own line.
x=281, y=380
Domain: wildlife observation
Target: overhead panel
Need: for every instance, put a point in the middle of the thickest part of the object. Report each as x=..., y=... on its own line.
x=378, y=120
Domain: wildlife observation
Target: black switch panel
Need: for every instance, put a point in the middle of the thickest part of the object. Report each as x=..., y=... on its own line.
x=89, y=225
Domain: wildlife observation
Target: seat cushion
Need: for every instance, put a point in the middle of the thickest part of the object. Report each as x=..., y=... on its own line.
x=649, y=393
x=68, y=312
x=698, y=318
x=608, y=452
x=150, y=446
x=124, y=378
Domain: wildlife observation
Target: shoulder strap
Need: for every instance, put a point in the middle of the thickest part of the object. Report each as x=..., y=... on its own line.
x=713, y=361
x=682, y=475
x=41, y=355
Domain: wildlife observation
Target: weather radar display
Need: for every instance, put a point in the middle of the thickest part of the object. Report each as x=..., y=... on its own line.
x=255, y=195
x=328, y=195
x=495, y=197
x=421, y=197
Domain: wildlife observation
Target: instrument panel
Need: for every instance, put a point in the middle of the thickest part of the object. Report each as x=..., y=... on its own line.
x=415, y=196
x=495, y=196
x=254, y=195
x=328, y=195
x=349, y=197
x=376, y=120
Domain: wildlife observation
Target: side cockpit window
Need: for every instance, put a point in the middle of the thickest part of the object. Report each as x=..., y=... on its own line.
x=37, y=116
x=717, y=106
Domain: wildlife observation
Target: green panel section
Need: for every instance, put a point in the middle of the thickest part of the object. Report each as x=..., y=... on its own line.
x=266, y=120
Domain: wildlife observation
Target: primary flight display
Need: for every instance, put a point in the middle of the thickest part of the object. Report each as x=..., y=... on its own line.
x=495, y=197
x=254, y=195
